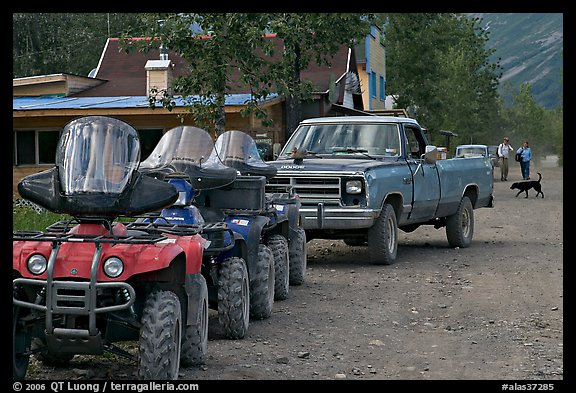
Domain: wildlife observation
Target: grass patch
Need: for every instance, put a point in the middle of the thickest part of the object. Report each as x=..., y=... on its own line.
x=26, y=218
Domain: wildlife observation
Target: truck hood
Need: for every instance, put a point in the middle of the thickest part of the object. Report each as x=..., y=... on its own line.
x=332, y=164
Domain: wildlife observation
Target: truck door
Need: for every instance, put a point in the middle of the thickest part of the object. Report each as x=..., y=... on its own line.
x=425, y=178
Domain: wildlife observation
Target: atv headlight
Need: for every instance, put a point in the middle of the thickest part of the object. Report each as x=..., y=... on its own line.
x=37, y=264
x=113, y=267
x=354, y=186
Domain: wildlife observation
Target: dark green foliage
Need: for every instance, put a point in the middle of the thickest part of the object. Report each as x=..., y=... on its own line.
x=237, y=40
x=53, y=43
x=437, y=65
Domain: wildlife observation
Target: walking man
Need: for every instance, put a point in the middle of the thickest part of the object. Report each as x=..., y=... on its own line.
x=504, y=150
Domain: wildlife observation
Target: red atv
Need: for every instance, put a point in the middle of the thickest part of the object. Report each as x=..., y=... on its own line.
x=91, y=281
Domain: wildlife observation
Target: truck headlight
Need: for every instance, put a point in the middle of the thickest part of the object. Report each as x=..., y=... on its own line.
x=113, y=267
x=354, y=186
x=37, y=264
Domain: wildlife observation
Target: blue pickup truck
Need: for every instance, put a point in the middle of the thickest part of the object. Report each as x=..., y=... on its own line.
x=361, y=178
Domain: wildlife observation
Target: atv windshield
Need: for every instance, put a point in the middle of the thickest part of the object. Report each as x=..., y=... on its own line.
x=182, y=143
x=349, y=138
x=97, y=154
x=188, y=150
x=238, y=150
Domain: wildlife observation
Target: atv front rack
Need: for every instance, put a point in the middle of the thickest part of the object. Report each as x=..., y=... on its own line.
x=61, y=237
x=172, y=229
x=211, y=231
x=215, y=233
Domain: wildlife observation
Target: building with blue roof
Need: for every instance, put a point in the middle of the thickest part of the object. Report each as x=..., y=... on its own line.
x=121, y=84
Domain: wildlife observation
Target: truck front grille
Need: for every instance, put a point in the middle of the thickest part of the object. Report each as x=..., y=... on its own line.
x=310, y=189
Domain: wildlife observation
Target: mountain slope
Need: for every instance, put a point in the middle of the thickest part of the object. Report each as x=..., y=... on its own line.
x=530, y=47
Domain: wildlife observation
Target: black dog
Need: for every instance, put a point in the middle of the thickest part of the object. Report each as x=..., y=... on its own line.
x=526, y=185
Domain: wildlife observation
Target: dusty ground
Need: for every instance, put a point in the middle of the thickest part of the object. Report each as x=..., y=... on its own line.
x=493, y=311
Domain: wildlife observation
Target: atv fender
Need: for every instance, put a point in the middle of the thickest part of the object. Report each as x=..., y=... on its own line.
x=253, y=240
x=195, y=286
x=193, y=246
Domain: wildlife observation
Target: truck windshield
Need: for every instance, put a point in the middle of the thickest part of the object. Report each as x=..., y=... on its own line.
x=373, y=139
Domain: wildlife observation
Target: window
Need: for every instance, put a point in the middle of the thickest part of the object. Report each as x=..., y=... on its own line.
x=149, y=138
x=25, y=150
x=373, y=84
x=47, y=143
x=414, y=143
x=35, y=147
x=38, y=147
x=382, y=88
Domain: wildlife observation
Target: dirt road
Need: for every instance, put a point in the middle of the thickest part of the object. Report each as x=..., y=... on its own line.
x=493, y=311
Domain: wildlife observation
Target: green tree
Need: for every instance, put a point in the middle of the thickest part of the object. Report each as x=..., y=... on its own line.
x=216, y=44
x=310, y=37
x=50, y=43
x=530, y=121
x=218, y=47
x=438, y=68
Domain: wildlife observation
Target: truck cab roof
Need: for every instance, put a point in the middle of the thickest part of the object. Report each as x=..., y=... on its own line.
x=359, y=119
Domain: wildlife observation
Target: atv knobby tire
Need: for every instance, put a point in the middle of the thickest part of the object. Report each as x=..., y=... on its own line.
x=234, y=298
x=279, y=247
x=298, y=257
x=20, y=344
x=262, y=284
x=195, y=339
x=160, y=337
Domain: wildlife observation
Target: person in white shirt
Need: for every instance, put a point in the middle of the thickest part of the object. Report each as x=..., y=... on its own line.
x=504, y=150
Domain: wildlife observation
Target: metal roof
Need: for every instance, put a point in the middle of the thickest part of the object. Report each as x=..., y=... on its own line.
x=60, y=102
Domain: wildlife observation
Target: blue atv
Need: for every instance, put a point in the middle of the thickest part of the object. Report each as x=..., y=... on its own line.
x=238, y=150
x=238, y=269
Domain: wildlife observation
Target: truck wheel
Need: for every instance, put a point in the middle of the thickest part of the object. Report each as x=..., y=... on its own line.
x=195, y=340
x=234, y=298
x=20, y=344
x=49, y=358
x=160, y=337
x=383, y=237
x=297, y=252
x=460, y=225
x=262, y=284
x=279, y=247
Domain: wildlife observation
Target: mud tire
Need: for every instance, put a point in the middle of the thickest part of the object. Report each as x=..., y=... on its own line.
x=262, y=284
x=195, y=340
x=279, y=247
x=460, y=225
x=20, y=343
x=234, y=298
x=383, y=238
x=159, y=344
x=298, y=255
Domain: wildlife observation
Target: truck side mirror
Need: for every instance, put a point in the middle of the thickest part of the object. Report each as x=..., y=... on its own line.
x=276, y=150
x=431, y=154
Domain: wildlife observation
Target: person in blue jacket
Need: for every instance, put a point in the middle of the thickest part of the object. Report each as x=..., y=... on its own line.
x=525, y=158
